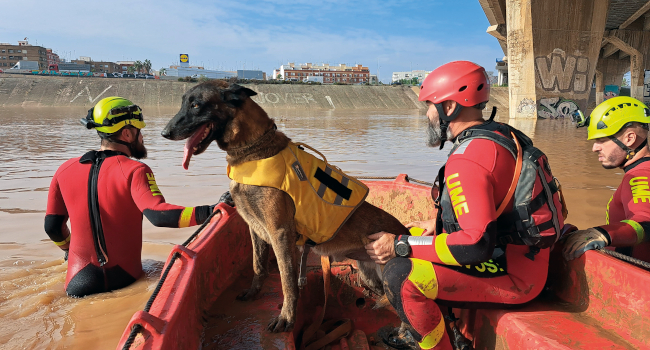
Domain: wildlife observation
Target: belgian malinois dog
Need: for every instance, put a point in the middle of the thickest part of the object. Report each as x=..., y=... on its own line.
x=217, y=110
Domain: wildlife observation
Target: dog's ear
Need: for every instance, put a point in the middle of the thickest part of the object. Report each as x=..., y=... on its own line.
x=238, y=89
x=236, y=94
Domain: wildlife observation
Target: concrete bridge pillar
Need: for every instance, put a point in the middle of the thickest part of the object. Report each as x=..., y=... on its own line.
x=553, y=49
x=600, y=88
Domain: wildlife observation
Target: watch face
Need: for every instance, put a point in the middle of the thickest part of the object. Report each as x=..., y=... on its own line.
x=402, y=249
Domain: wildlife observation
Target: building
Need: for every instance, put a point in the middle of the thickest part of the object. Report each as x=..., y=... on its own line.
x=99, y=66
x=419, y=74
x=52, y=58
x=250, y=74
x=197, y=72
x=11, y=54
x=502, y=69
x=341, y=74
x=124, y=66
x=73, y=67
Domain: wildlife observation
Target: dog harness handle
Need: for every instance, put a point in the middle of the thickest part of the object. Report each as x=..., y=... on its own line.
x=311, y=148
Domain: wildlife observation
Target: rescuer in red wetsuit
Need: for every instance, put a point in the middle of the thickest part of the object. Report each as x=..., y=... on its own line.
x=619, y=128
x=467, y=262
x=104, y=194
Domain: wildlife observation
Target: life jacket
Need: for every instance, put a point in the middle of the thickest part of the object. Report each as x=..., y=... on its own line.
x=539, y=209
x=323, y=195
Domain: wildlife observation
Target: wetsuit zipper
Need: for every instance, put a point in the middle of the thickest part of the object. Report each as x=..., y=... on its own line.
x=93, y=206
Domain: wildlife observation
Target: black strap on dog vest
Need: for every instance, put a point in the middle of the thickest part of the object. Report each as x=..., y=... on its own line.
x=333, y=184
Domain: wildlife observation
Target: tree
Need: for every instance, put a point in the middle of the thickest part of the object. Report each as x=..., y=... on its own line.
x=131, y=69
x=625, y=82
x=279, y=76
x=138, y=66
x=162, y=71
x=147, y=66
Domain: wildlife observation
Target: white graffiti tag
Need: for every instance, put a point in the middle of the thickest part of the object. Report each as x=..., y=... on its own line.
x=556, y=107
x=87, y=91
x=289, y=97
x=560, y=72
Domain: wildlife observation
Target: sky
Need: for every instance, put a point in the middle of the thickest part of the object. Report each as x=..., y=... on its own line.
x=385, y=36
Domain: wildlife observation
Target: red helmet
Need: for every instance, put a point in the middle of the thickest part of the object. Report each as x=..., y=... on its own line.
x=461, y=81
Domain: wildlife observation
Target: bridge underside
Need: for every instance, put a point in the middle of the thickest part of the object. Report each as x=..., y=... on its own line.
x=556, y=49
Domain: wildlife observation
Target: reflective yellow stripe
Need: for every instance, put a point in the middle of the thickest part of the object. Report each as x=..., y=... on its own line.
x=640, y=232
x=64, y=242
x=433, y=338
x=186, y=217
x=443, y=250
x=424, y=278
x=416, y=231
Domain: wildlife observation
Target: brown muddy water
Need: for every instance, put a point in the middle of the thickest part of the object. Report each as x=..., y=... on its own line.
x=35, y=313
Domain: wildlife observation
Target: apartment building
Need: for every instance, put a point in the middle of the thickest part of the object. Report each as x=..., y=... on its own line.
x=331, y=74
x=10, y=54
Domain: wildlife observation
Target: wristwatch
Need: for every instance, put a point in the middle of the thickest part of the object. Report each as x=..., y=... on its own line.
x=402, y=247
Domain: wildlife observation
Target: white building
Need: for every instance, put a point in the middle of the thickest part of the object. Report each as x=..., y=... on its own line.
x=502, y=68
x=329, y=74
x=420, y=74
x=181, y=72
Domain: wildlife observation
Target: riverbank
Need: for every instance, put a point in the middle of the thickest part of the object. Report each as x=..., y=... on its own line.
x=44, y=91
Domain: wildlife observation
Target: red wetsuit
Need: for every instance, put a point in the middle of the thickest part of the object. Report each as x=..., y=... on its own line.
x=105, y=251
x=464, y=268
x=628, y=212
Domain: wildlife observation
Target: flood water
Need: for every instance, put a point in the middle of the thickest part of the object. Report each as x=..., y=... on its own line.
x=35, y=313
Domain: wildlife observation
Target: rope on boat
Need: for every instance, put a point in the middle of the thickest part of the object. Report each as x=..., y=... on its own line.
x=409, y=179
x=624, y=257
x=137, y=328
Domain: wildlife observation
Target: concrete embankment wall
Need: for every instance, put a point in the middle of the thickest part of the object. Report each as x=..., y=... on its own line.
x=41, y=91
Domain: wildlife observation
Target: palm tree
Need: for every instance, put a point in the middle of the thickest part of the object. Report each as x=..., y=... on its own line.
x=162, y=71
x=138, y=66
x=147, y=66
x=131, y=69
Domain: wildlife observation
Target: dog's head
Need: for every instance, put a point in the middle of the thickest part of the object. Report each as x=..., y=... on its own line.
x=205, y=115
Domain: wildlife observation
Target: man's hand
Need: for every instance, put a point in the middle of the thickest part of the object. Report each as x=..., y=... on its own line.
x=429, y=226
x=382, y=247
x=65, y=257
x=578, y=242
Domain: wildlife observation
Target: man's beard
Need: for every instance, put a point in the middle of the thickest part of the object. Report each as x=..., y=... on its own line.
x=612, y=162
x=434, y=133
x=137, y=149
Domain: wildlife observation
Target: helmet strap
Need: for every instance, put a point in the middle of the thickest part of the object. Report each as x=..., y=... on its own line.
x=443, y=133
x=445, y=119
x=129, y=145
x=443, y=116
x=630, y=152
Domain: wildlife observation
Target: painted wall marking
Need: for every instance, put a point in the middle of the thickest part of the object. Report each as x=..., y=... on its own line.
x=87, y=91
x=556, y=107
x=560, y=72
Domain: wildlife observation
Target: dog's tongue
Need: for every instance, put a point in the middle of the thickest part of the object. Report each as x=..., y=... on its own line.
x=192, y=142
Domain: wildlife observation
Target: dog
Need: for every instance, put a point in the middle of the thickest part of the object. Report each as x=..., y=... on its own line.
x=225, y=113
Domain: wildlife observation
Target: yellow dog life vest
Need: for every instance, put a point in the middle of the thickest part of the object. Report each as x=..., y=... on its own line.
x=324, y=196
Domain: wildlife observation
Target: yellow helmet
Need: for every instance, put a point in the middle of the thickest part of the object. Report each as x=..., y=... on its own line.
x=612, y=115
x=112, y=114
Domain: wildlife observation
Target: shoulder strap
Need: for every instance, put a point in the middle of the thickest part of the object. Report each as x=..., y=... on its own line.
x=488, y=135
x=515, y=178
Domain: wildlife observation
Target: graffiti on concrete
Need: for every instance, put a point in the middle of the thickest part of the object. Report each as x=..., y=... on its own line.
x=526, y=106
x=286, y=98
x=611, y=91
x=556, y=107
x=560, y=72
x=90, y=98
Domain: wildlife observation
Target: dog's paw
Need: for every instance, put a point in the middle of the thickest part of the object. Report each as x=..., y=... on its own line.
x=247, y=295
x=280, y=324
